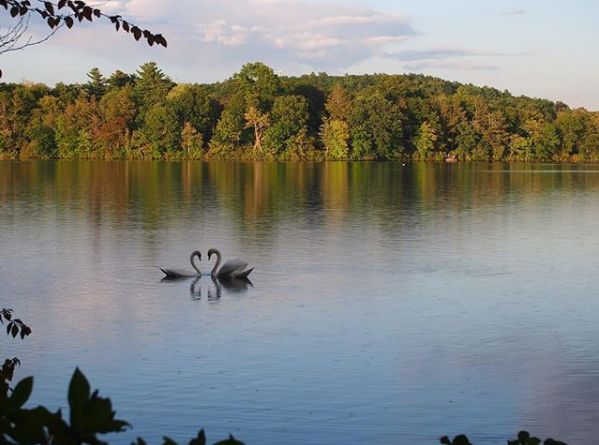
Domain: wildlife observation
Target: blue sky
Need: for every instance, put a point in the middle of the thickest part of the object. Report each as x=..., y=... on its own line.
x=537, y=48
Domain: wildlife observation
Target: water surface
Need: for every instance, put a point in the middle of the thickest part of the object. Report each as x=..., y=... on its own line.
x=390, y=304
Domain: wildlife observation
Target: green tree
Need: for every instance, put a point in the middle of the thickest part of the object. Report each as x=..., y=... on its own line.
x=96, y=86
x=375, y=127
x=258, y=84
x=228, y=134
x=162, y=131
x=571, y=127
x=425, y=141
x=120, y=79
x=195, y=104
x=289, y=117
x=42, y=139
x=466, y=141
x=334, y=134
x=151, y=88
x=79, y=117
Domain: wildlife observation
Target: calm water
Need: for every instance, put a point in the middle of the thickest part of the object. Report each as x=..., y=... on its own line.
x=390, y=304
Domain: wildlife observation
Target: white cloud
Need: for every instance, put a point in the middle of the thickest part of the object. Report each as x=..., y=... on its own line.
x=316, y=35
x=221, y=32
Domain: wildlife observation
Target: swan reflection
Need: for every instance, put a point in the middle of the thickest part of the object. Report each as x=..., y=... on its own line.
x=235, y=284
x=213, y=291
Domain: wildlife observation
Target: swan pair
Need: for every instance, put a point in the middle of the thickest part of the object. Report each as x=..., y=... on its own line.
x=231, y=269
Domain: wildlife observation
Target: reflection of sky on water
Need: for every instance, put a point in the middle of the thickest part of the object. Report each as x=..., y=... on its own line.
x=387, y=302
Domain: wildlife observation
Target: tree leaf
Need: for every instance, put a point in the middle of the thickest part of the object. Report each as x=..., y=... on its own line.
x=78, y=394
x=159, y=38
x=62, y=4
x=200, y=440
x=230, y=441
x=136, y=32
x=49, y=7
x=22, y=391
x=69, y=22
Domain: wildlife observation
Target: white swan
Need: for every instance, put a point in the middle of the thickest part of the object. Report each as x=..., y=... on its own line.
x=231, y=269
x=178, y=273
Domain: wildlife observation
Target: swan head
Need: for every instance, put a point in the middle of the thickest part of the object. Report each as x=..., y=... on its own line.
x=211, y=252
x=197, y=253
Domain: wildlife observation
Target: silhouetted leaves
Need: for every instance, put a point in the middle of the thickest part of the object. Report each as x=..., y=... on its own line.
x=21, y=393
x=457, y=440
x=524, y=438
x=136, y=32
x=80, y=10
x=200, y=439
x=230, y=441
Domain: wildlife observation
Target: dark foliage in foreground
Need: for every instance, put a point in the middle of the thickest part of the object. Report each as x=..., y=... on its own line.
x=524, y=438
x=91, y=415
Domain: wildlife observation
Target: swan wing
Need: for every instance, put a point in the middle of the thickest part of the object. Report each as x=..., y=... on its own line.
x=231, y=266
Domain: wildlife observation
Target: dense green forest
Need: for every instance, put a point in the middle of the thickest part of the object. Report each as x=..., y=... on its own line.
x=257, y=114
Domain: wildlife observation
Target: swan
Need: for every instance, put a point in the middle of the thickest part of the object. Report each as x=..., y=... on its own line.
x=231, y=269
x=178, y=273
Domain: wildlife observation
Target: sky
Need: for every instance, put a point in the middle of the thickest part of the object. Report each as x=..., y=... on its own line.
x=539, y=48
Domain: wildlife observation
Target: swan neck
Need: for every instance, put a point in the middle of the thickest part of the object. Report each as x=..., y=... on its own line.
x=218, y=260
x=193, y=263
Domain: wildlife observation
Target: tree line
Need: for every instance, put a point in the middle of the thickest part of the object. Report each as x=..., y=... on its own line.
x=257, y=114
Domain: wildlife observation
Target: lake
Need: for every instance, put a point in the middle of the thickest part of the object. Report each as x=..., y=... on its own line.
x=389, y=303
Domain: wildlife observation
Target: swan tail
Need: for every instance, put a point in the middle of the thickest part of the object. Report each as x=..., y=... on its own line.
x=245, y=273
x=166, y=272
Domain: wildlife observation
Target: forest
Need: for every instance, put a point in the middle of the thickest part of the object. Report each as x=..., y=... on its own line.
x=257, y=114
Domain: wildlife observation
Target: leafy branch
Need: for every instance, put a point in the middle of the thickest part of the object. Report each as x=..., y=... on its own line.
x=14, y=327
x=90, y=416
x=58, y=14
x=70, y=12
